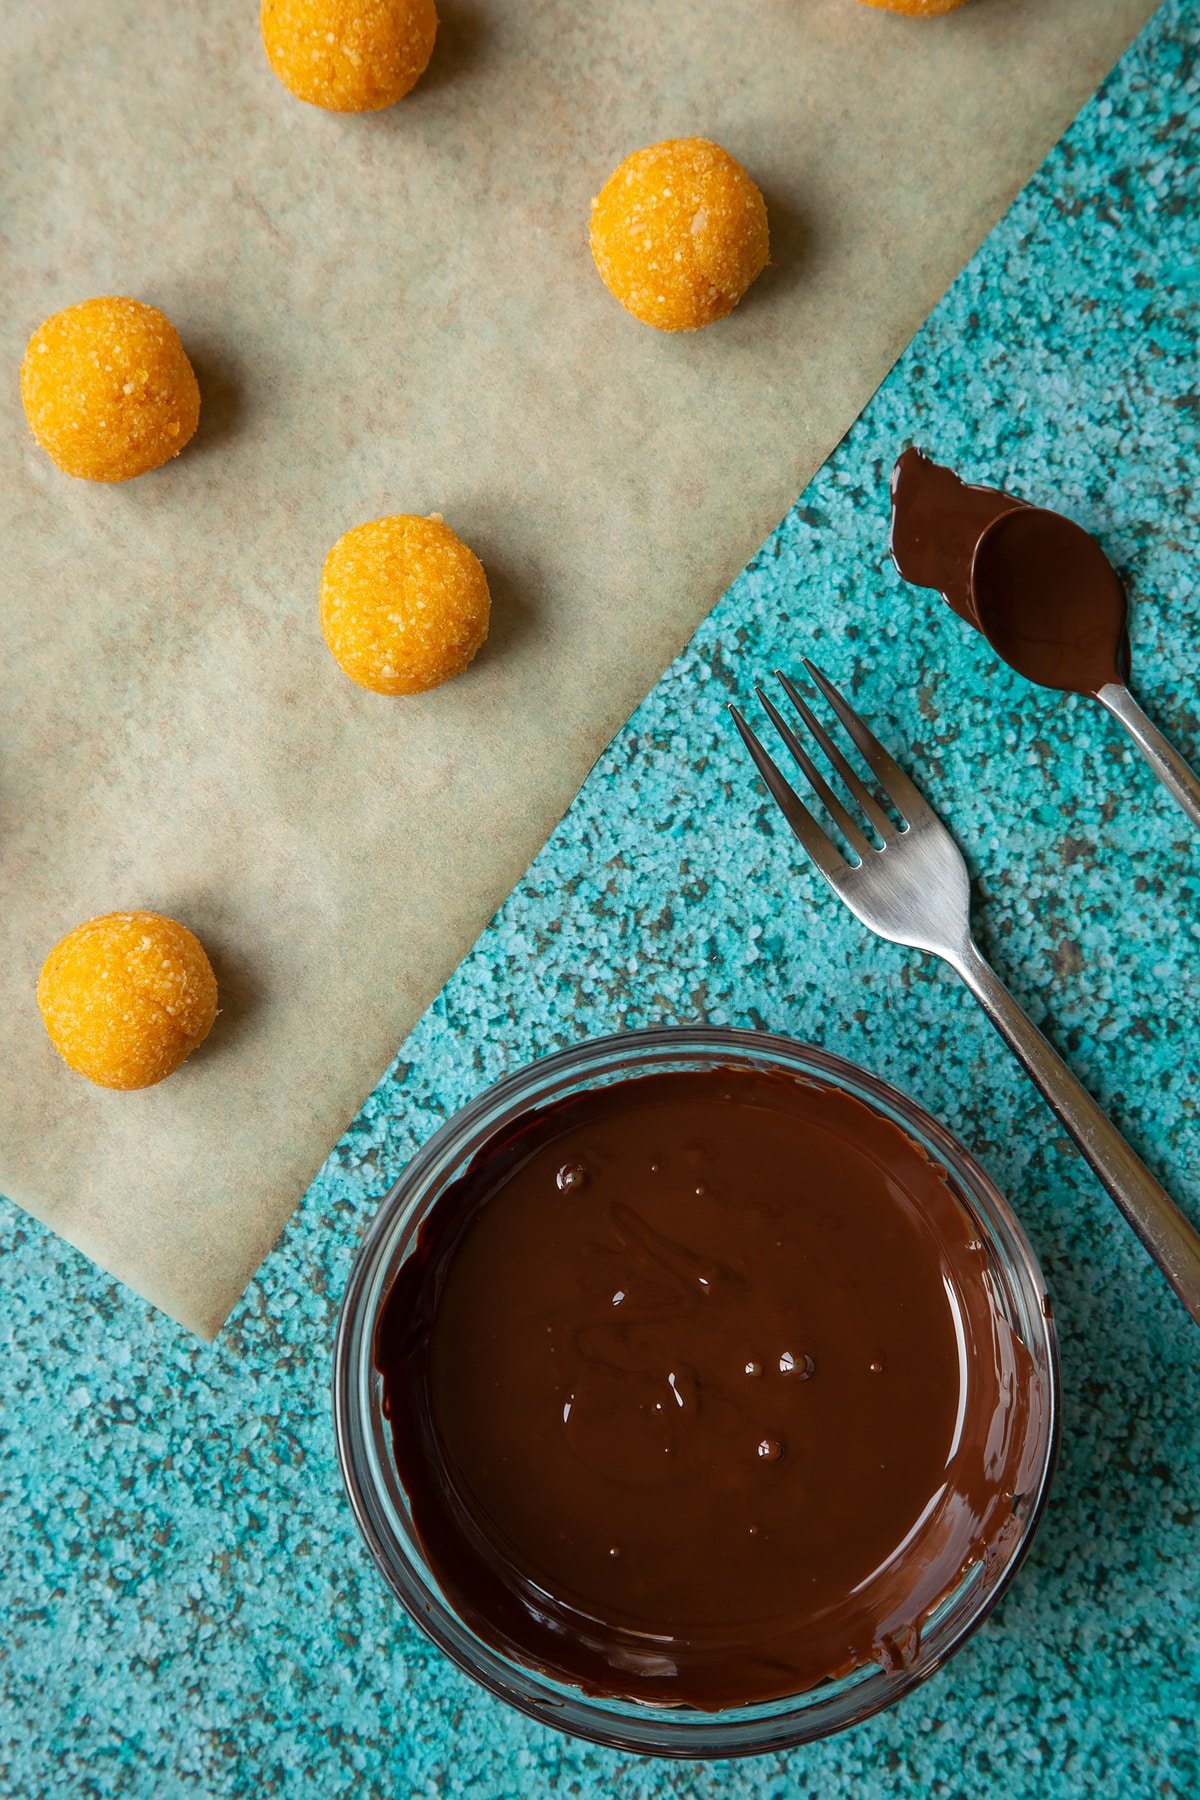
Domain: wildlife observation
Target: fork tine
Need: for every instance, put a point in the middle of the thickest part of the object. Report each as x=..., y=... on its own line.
x=849, y=828
x=905, y=797
x=790, y=804
x=858, y=789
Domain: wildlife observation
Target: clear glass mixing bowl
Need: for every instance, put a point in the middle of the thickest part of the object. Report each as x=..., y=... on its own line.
x=377, y=1494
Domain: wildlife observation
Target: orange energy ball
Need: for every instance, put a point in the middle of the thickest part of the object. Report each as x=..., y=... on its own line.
x=917, y=9
x=404, y=604
x=679, y=231
x=127, y=997
x=349, y=56
x=108, y=390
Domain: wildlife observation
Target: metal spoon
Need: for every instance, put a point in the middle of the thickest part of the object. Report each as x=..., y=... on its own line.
x=1049, y=601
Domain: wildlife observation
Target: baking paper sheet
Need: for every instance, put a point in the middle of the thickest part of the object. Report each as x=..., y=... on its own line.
x=399, y=313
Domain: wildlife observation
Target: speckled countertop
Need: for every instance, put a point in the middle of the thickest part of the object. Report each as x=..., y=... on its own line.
x=187, y=1607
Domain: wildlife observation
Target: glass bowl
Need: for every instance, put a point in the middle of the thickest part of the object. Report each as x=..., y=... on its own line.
x=377, y=1494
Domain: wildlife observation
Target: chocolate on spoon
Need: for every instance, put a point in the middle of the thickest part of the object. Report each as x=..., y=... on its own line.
x=1038, y=587
x=1047, y=598
x=937, y=520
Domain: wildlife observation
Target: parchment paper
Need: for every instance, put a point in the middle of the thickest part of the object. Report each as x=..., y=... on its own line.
x=399, y=313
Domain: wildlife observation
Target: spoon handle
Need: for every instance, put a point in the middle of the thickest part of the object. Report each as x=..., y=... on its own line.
x=1159, y=752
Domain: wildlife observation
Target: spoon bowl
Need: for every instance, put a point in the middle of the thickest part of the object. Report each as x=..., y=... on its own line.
x=1050, y=602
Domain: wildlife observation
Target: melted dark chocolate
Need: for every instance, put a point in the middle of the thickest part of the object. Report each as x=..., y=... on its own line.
x=937, y=520
x=1048, y=599
x=698, y=1390
x=1037, y=585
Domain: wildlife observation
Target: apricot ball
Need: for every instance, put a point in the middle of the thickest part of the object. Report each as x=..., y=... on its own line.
x=349, y=56
x=678, y=233
x=127, y=997
x=917, y=9
x=108, y=390
x=404, y=604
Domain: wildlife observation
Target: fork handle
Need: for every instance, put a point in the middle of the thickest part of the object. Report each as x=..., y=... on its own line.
x=1176, y=775
x=1170, y=1239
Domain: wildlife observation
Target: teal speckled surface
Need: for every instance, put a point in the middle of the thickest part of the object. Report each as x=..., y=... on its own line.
x=187, y=1610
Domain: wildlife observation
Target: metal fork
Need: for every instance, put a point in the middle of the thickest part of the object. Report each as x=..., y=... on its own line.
x=912, y=887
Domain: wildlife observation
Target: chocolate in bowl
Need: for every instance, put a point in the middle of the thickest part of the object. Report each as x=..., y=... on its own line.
x=815, y=1429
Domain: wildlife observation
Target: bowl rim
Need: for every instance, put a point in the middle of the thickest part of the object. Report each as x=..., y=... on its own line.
x=632, y=1726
